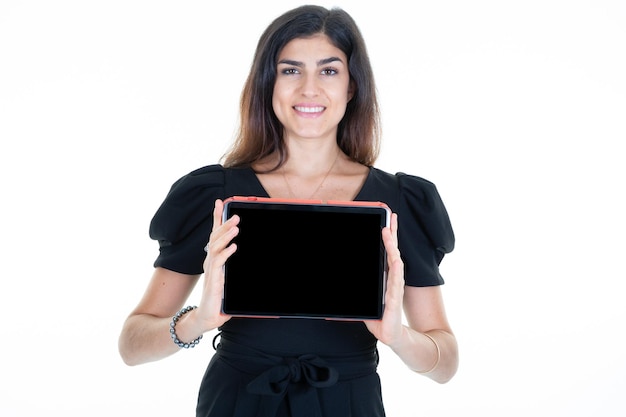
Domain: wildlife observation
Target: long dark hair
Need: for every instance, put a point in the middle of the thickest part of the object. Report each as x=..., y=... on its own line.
x=260, y=131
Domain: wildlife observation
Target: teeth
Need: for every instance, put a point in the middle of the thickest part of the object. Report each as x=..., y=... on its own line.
x=310, y=109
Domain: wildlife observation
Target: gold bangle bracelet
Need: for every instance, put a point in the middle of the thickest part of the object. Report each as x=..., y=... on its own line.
x=438, y=355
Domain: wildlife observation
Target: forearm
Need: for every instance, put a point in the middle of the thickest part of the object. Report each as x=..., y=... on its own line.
x=146, y=338
x=436, y=358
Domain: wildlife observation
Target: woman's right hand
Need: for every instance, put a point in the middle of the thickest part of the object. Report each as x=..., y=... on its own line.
x=219, y=249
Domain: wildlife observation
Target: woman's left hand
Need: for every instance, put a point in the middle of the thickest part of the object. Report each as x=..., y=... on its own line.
x=389, y=329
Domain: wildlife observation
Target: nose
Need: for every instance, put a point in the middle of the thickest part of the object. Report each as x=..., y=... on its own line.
x=310, y=85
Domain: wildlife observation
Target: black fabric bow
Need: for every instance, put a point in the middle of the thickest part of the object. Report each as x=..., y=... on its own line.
x=298, y=379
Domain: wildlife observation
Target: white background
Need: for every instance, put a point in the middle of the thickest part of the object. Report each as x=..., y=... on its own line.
x=515, y=109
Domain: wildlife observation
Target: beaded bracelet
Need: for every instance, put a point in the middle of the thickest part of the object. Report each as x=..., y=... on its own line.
x=175, y=319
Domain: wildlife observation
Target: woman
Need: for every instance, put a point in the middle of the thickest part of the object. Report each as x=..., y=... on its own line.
x=309, y=129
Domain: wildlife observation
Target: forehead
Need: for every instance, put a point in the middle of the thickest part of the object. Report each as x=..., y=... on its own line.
x=314, y=47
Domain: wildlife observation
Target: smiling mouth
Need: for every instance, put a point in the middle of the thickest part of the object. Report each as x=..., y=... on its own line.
x=317, y=109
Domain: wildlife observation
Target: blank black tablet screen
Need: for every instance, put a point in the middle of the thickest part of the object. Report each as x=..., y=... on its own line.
x=306, y=261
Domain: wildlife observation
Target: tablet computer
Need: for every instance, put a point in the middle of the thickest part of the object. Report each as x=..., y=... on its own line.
x=308, y=259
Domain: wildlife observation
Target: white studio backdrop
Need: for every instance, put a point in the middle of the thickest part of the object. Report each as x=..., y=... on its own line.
x=515, y=109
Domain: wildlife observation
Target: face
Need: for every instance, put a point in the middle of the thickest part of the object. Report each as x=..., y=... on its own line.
x=312, y=88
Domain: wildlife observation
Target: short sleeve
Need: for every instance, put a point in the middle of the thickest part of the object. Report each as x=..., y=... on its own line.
x=184, y=220
x=425, y=233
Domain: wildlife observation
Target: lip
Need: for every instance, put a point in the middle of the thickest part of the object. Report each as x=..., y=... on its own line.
x=309, y=110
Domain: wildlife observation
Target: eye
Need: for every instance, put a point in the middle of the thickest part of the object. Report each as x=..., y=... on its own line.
x=329, y=71
x=289, y=71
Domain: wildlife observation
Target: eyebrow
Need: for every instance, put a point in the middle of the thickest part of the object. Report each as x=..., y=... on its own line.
x=320, y=63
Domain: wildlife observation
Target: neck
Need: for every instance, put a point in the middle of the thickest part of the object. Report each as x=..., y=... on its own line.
x=313, y=172
x=310, y=159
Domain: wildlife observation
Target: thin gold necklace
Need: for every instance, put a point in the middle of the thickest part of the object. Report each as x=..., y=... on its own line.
x=293, y=195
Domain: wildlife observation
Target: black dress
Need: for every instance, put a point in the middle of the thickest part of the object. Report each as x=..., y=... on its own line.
x=296, y=367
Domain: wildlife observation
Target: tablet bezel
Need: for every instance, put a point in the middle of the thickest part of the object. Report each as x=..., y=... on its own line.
x=375, y=207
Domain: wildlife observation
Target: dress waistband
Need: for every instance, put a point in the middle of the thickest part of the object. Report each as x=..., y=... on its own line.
x=295, y=377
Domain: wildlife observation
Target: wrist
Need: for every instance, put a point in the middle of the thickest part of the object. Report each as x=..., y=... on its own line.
x=179, y=336
x=401, y=341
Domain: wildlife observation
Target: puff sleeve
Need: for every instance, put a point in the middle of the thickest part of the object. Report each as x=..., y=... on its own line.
x=184, y=220
x=425, y=233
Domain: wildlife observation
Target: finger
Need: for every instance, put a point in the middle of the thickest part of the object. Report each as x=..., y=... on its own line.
x=220, y=246
x=394, y=228
x=217, y=213
x=391, y=244
x=395, y=265
x=222, y=233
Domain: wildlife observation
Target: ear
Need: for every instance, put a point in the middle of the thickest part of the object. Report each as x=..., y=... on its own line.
x=351, y=90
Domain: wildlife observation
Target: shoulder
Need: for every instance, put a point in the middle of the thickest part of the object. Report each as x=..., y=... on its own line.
x=212, y=179
x=409, y=189
x=419, y=206
x=206, y=177
x=189, y=201
x=418, y=191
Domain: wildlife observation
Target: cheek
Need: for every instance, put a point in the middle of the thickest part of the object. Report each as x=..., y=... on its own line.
x=343, y=93
x=275, y=97
x=280, y=99
x=277, y=106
